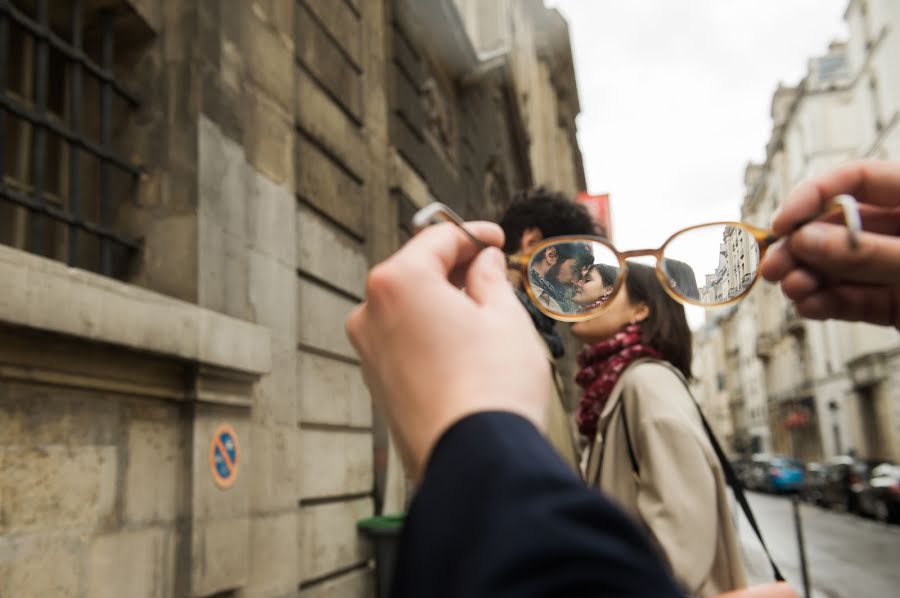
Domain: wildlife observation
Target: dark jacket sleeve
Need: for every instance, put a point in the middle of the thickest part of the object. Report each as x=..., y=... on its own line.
x=499, y=514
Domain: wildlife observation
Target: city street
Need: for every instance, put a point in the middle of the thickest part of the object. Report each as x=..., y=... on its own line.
x=848, y=556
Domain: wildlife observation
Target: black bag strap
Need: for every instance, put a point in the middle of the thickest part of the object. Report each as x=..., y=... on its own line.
x=635, y=468
x=738, y=490
x=730, y=476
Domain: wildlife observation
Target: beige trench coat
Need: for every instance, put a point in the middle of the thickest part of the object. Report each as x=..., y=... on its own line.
x=560, y=430
x=681, y=495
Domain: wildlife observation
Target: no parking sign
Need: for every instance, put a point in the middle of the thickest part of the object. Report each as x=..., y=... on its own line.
x=224, y=456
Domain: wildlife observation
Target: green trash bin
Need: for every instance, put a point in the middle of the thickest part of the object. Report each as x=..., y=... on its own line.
x=384, y=531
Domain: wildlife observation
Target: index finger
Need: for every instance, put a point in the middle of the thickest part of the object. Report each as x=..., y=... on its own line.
x=869, y=181
x=441, y=248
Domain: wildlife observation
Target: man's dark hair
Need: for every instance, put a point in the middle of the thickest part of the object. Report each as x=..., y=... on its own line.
x=564, y=252
x=550, y=212
x=666, y=328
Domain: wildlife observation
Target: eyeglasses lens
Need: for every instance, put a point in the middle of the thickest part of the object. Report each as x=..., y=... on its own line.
x=711, y=265
x=572, y=278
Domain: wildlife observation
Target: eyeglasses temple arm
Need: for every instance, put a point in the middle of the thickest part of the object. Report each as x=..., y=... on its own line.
x=436, y=212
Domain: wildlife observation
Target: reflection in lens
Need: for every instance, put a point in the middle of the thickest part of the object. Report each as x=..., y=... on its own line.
x=712, y=264
x=573, y=277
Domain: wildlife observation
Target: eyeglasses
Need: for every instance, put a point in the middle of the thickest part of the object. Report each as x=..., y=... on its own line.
x=573, y=278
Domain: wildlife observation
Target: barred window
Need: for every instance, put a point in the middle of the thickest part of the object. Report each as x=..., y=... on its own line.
x=62, y=175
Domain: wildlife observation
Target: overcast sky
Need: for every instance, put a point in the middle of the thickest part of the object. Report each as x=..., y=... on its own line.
x=675, y=98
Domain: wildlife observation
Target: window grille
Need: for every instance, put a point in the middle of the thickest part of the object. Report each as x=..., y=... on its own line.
x=61, y=178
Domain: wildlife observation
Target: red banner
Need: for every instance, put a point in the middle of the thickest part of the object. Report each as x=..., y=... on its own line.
x=598, y=207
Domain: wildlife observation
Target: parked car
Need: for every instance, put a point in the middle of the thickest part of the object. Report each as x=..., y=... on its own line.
x=775, y=473
x=814, y=484
x=845, y=478
x=880, y=495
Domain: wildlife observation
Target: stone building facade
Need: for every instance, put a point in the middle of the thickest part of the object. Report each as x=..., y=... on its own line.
x=818, y=389
x=191, y=195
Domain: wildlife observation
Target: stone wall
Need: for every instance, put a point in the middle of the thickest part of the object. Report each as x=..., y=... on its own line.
x=274, y=173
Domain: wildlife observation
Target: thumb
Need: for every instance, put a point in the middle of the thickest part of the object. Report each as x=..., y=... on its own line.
x=486, y=281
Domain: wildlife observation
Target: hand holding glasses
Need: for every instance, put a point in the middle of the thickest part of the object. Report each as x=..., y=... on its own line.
x=573, y=278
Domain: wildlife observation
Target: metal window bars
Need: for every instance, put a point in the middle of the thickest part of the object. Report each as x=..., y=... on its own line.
x=39, y=207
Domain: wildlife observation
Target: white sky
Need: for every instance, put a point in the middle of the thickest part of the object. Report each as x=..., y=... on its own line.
x=675, y=99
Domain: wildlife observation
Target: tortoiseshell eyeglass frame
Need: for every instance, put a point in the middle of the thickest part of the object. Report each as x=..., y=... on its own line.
x=437, y=212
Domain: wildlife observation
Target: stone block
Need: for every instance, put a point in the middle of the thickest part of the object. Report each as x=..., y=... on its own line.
x=169, y=264
x=335, y=463
x=321, y=119
x=220, y=556
x=273, y=296
x=329, y=538
x=274, y=553
x=321, y=317
x=403, y=177
x=332, y=392
x=36, y=415
x=41, y=565
x=328, y=253
x=211, y=273
x=359, y=584
x=322, y=56
x=274, y=467
x=328, y=185
x=268, y=56
x=54, y=487
x=236, y=280
x=133, y=563
x=212, y=155
x=14, y=300
x=231, y=67
x=232, y=344
x=275, y=399
x=342, y=23
x=155, y=476
x=281, y=15
x=269, y=137
x=223, y=178
x=271, y=222
x=177, y=18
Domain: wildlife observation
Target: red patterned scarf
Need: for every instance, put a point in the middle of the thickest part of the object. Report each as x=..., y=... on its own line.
x=601, y=365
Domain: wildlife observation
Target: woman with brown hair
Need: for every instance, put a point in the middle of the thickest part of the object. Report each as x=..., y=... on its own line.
x=595, y=287
x=649, y=450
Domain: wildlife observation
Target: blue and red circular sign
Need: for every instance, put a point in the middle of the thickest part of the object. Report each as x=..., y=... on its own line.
x=224, y=456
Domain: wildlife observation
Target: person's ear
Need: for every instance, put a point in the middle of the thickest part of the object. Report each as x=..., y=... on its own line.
x=639, y=312
x=530, y=237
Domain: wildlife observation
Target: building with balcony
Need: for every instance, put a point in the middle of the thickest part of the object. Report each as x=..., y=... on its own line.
x=830, y=387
